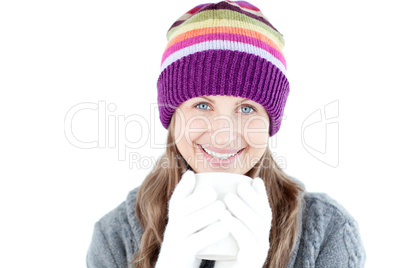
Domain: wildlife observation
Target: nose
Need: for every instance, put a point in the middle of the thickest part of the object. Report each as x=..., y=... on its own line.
x=225, y=131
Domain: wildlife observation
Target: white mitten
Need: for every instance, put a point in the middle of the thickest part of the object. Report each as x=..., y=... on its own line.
x=192, y=226
x=250, y=224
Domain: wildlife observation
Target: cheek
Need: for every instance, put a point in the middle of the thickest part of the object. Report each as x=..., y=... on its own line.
x=196, y=125
x=256, y=133
x=179, y=134
x=178, y=127
x=189, y=126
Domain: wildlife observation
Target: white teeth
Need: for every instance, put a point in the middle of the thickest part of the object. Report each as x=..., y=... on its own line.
x=218, y=155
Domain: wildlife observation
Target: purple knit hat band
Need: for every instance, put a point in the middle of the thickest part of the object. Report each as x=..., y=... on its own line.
x=228, y=48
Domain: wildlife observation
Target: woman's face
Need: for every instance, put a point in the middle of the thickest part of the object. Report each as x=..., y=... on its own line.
x=221, y=133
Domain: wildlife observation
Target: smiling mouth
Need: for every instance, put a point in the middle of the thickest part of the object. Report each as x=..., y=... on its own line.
x=218, y=155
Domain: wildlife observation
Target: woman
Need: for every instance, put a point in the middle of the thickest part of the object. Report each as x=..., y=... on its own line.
x=221, y=94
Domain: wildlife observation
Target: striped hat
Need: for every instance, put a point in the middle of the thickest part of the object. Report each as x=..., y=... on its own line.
x=225, y=48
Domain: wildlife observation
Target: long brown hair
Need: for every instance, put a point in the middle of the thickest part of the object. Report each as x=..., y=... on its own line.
x=155, y=191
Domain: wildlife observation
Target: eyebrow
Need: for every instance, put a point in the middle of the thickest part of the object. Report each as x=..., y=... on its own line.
x=242, y=100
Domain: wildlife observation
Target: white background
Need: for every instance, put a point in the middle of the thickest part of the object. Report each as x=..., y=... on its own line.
x=58, y=54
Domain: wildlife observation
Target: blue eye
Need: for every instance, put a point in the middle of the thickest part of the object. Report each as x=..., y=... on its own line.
x=245, y=109
x=248, y=109
x=200, y=104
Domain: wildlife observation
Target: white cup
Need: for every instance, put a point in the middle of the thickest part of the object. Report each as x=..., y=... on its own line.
x=223, y=182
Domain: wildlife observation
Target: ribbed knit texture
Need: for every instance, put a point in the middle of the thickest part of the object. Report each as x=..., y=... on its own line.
x=225, y=48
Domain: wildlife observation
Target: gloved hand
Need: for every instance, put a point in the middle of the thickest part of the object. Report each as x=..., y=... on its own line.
x=250, y=224
x=188, y=214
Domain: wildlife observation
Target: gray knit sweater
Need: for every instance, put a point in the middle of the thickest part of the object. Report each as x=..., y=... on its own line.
x=328, y=236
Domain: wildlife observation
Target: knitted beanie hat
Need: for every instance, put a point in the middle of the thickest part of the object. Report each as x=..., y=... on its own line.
x=225, y=48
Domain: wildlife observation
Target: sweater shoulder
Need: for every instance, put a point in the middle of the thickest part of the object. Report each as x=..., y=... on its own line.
x=113, y=219
x=325, y=207
x=122, y=219
x=330, y=235
x=114, y=232
x=121, y=215
x=323, y=216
